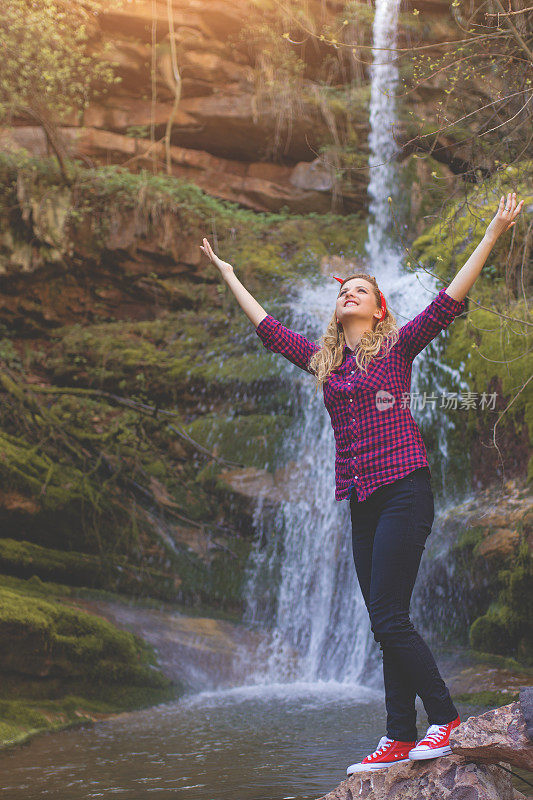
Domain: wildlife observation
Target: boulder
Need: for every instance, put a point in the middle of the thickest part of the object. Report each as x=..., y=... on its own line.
x=314, y=175
x=251, y=482
x=450, y=778
x=500, y=544
x=474, y=771
x=526, y=706
x=497, y=735
x=287, y=483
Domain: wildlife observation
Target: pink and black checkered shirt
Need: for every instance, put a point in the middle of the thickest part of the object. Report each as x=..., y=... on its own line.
x=377, y=440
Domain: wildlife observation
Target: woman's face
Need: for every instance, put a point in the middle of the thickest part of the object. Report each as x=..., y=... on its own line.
x=357, y=300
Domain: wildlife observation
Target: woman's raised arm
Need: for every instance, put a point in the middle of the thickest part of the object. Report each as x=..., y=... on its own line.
x=449, y=303
x=275, y=336
x=247, y=302
x=504, y=219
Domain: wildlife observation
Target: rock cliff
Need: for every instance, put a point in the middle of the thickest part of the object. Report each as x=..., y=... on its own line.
x=247, y=127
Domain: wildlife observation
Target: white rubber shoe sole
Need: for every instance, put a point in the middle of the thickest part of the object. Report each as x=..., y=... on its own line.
x=371, y=767
x=420, y=755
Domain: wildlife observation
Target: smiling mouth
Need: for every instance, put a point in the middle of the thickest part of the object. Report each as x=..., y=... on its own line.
x=350, y=303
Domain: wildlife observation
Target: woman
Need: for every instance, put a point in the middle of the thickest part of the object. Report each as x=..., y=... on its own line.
x=363, y=363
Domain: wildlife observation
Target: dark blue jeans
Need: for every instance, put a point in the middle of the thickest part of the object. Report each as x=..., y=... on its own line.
x=389, y=532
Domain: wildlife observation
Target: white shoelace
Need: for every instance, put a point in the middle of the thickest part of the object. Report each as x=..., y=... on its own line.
x=384, y=743
x=435, y=733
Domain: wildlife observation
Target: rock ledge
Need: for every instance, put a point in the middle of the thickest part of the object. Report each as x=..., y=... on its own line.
x=481, y=746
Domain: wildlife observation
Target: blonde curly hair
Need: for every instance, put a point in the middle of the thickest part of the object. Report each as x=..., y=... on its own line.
x=385, y=332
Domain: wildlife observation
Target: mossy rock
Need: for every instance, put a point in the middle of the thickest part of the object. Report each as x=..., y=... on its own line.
x=25, y=467
x=152, y=361
x=494, y=632
x=188, y=579
x=505, y=628
x=24, y=559
x=251, y=440
x=44, y=638
x=266, y=248
x=29, y=707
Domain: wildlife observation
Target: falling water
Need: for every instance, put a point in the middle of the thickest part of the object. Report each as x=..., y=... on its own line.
x=380, y=246
x=301, y=581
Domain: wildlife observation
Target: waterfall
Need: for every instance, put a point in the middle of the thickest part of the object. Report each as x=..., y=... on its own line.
x=301, y=582
x=383, y=82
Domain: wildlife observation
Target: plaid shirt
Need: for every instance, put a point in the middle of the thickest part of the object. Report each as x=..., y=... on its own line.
x=377, y=440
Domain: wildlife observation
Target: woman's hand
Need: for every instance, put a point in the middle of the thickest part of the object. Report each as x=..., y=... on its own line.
x=505, y=216
x=223, y=266
x=247, y=302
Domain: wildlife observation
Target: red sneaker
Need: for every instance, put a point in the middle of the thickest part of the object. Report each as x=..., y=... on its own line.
x=389, y=752
x=435, y=742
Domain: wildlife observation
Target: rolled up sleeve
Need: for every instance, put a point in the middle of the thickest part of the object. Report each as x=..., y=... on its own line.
x=279, y=339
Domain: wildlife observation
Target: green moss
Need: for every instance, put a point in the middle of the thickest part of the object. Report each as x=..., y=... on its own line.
x=252, y=440
x=469, y=538
x=24, y=559
x=27, y=560
x=161, y=358
x=447, y=245
x=484, y=340
x=26, y=717
x=45, y=637
x=506, y=626
x=24, y=467
x=488, y=698
x=494, y=631
x=60, y=665
x=35, y=587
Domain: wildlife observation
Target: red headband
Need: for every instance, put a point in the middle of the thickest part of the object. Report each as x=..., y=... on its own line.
x=383, y=303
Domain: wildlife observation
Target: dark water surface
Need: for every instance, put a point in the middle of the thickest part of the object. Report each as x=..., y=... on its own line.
x=268, y=742
x=275, y=742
